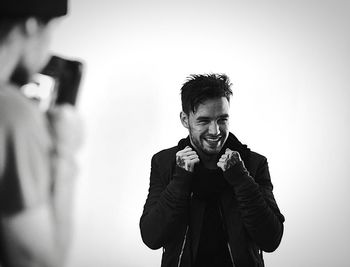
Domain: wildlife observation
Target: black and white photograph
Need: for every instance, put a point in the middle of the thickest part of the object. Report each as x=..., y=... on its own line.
x=174, y=133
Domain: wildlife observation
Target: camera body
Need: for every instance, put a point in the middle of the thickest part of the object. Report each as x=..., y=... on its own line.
x=57, y=83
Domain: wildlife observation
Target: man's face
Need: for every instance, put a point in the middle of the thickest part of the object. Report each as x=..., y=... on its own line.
x=208, y=125
x=35, y=49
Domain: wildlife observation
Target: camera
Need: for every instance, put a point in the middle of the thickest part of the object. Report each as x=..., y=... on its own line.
x=57, y=83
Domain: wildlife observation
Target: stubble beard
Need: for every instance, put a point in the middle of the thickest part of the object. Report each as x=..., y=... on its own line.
x=200, y=146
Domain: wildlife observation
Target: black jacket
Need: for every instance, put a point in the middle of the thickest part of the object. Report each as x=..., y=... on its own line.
x=252, y=218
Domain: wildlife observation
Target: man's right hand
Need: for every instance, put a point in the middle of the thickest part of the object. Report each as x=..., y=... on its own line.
x=187, y=158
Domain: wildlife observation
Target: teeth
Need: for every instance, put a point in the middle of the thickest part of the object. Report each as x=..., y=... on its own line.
x=213, y=140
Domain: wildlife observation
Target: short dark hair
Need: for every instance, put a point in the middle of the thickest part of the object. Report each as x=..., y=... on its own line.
x=33, y=8
x=15, y=12
x=7, y=24
x=201, y=87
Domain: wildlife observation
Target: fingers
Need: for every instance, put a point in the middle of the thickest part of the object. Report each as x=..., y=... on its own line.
x=220, y=164
x=195, y=160
x=187, y=148
x=228, y=150
x=229, y=154
x=226, y=156
x=186, y=152
x=222, y=159
x=190, y=157
x=187, y=158
x=228, y=159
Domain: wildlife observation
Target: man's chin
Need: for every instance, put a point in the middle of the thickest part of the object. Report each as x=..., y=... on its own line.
x=212, y=151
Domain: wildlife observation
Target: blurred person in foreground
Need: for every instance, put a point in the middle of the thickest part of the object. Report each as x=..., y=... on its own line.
x=210, y=200
x=37, y=149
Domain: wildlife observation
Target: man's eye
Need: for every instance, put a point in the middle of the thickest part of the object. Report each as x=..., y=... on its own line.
x=223, y=120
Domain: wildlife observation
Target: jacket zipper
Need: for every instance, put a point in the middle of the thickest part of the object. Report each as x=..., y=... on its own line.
x=185, y=238
x=229, y=250
x=227, y=242
x=183, y=247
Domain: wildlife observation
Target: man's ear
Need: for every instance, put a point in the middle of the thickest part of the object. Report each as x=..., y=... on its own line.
x=184, y=119
x=31, y=26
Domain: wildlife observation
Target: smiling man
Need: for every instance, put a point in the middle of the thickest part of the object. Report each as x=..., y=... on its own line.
x=210, y=200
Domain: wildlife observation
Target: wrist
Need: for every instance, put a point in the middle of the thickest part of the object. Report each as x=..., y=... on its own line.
x=181, y=182
x=64, y=166
x=236, y=174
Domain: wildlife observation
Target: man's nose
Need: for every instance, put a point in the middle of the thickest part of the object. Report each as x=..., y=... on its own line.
x=214, y=128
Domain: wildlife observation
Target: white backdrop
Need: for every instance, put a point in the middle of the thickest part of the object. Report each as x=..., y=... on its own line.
x=289, y=62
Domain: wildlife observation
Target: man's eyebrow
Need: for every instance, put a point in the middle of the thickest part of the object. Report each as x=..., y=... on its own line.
x=203, y=118
x=223, y=116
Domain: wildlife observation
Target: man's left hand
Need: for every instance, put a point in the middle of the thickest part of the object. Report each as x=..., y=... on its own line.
x=228, y=159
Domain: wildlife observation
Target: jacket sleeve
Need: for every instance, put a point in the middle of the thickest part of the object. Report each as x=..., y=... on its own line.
x=166, y=208
x=259, y=211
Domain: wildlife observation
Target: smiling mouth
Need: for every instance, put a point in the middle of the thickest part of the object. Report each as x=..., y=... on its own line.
x=212, y=140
